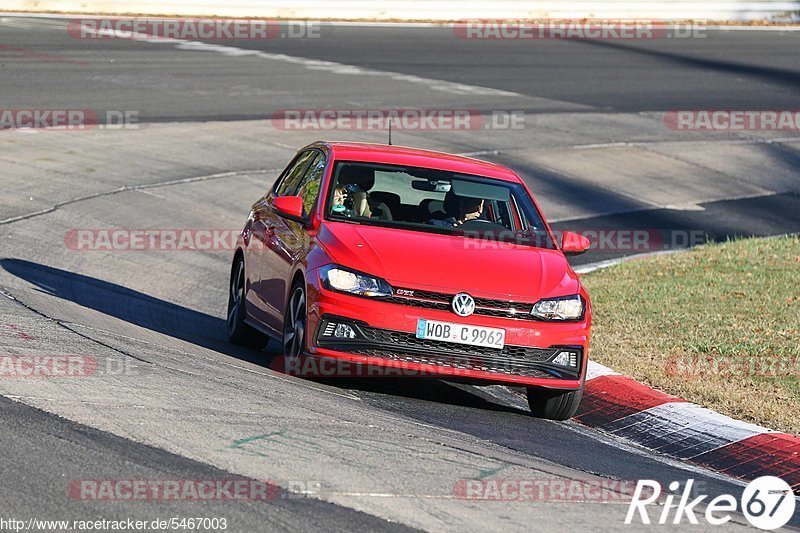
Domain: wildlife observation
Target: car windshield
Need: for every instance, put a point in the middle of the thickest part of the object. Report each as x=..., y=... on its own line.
x=436, y=201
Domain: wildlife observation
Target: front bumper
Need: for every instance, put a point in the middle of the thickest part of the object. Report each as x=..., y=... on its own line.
x=385, y=338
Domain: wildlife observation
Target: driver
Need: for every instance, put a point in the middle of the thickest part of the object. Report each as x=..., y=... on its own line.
x=470, y=209
x=467, y=209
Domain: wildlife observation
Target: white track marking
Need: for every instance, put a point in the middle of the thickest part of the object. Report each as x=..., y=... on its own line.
x=645, y=144
x=7, y=21
x=480, y=152
x=685, y=207
x=315, y=64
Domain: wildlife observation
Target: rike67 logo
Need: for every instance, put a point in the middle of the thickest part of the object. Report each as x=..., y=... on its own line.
x=767, y=503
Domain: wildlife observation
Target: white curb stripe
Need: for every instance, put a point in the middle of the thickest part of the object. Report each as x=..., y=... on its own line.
x=683, y=429
x=597, y=370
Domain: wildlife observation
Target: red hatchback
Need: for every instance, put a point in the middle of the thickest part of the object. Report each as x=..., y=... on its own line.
x=397, y=258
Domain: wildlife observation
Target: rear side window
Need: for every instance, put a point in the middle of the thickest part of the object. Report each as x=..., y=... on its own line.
x=292, y=178
x=309, y=187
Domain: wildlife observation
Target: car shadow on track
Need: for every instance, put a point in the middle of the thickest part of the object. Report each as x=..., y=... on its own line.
x=208, y=331
x=424, y=389
x=131, y=306
x=772, y=75
x=673, y=230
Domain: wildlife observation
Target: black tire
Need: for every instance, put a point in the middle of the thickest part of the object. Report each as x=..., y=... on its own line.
x=294, y=323
x=554, y=404
x=239, y=332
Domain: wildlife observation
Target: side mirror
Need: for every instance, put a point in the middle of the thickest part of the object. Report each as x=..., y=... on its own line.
x=574, y=243
x=290, y=207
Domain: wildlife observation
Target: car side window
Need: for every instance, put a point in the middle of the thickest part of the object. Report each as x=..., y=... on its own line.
x=292, y=177
x=309, y=187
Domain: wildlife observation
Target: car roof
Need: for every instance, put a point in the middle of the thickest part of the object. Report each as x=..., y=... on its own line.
x=416, y=157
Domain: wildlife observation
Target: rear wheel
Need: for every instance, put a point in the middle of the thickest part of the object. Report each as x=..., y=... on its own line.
x=238, y=331
x=554, y=404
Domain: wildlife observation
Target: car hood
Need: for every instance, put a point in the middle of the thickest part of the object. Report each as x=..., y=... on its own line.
x=449, y=263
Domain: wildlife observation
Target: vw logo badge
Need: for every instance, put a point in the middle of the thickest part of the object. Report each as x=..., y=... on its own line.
x=463, y=304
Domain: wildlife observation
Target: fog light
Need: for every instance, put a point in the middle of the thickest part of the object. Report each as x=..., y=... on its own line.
x=566, y=358
x=338, y=331
x=343, y=331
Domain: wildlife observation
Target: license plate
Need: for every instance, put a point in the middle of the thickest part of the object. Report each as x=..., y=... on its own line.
x=461, y=334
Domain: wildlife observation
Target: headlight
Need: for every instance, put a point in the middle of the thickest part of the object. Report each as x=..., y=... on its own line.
x=567, y=308
x=341, y=279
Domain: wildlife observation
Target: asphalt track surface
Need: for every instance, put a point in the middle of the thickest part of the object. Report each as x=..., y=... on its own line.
x=386, y=453
x=724, y=70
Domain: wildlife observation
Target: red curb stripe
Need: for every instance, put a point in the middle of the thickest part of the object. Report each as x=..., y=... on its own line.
x=735, y=453
x=775, y=454
x=793, y=479
x=778, y=446
x=783, y=452
x=609, y=398
x=770, y=462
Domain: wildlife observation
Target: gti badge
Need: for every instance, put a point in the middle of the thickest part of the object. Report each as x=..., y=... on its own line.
x=463, y=304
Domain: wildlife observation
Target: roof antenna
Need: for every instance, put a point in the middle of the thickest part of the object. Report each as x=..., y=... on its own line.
x=390, y=132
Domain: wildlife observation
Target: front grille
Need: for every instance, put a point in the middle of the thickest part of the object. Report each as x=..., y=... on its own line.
x=406, y=347
x=462, y=362
x=441, y=301
x=403, y=340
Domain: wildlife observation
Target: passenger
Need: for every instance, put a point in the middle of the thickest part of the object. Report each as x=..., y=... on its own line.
x=339, y=197
x=358, y=181
x=350, y=200
x=360, y=201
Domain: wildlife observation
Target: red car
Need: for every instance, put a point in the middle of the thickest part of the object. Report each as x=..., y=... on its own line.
x=398, y=258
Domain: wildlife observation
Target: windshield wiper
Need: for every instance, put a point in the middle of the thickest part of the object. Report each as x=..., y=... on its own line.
x=345, y=220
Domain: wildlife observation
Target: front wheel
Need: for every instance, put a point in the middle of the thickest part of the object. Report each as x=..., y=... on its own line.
x=294, y=324
x=554, y=404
